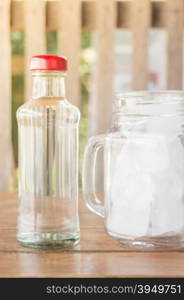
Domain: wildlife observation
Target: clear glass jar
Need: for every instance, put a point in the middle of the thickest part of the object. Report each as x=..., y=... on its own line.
x=48, y=127
x=143, y=170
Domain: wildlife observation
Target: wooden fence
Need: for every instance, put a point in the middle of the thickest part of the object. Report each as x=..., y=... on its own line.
x=67, y=17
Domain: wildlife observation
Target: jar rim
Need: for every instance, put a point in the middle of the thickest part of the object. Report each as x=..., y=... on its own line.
x=144, y=97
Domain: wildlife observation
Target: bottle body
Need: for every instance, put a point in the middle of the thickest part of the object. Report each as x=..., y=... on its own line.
x=48, y=173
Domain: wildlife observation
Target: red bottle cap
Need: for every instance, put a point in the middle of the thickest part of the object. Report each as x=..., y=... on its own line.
x=48, y=62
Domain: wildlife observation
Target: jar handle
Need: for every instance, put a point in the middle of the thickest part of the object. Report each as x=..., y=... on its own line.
x=91, y=151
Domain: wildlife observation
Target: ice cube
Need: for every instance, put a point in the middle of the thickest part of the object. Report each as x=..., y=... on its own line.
x=128, y=221
x=147, y=191
x=168, y=206
x=132, y=194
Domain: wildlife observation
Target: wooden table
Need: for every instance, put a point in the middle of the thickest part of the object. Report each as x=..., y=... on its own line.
x=96, y=256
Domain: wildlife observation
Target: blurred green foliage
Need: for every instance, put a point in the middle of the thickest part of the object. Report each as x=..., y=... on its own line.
x=17, y=97
x=51, y=42
x=17, y=39
x=17, y=42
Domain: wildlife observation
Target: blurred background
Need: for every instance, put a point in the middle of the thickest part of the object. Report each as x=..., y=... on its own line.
x=112, y=46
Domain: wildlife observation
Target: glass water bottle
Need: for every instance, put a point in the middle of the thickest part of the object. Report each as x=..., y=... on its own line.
x=48, y=160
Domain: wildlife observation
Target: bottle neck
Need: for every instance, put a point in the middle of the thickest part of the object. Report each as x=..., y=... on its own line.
x=48, y=84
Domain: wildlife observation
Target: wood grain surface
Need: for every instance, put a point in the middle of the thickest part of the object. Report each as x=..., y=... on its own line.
x=96, y=256
x=141, y=18
x=35, y=37
x=53, y=18
x=5, y=97
x=103, y=70
x=174, y=20
x=69, y=42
